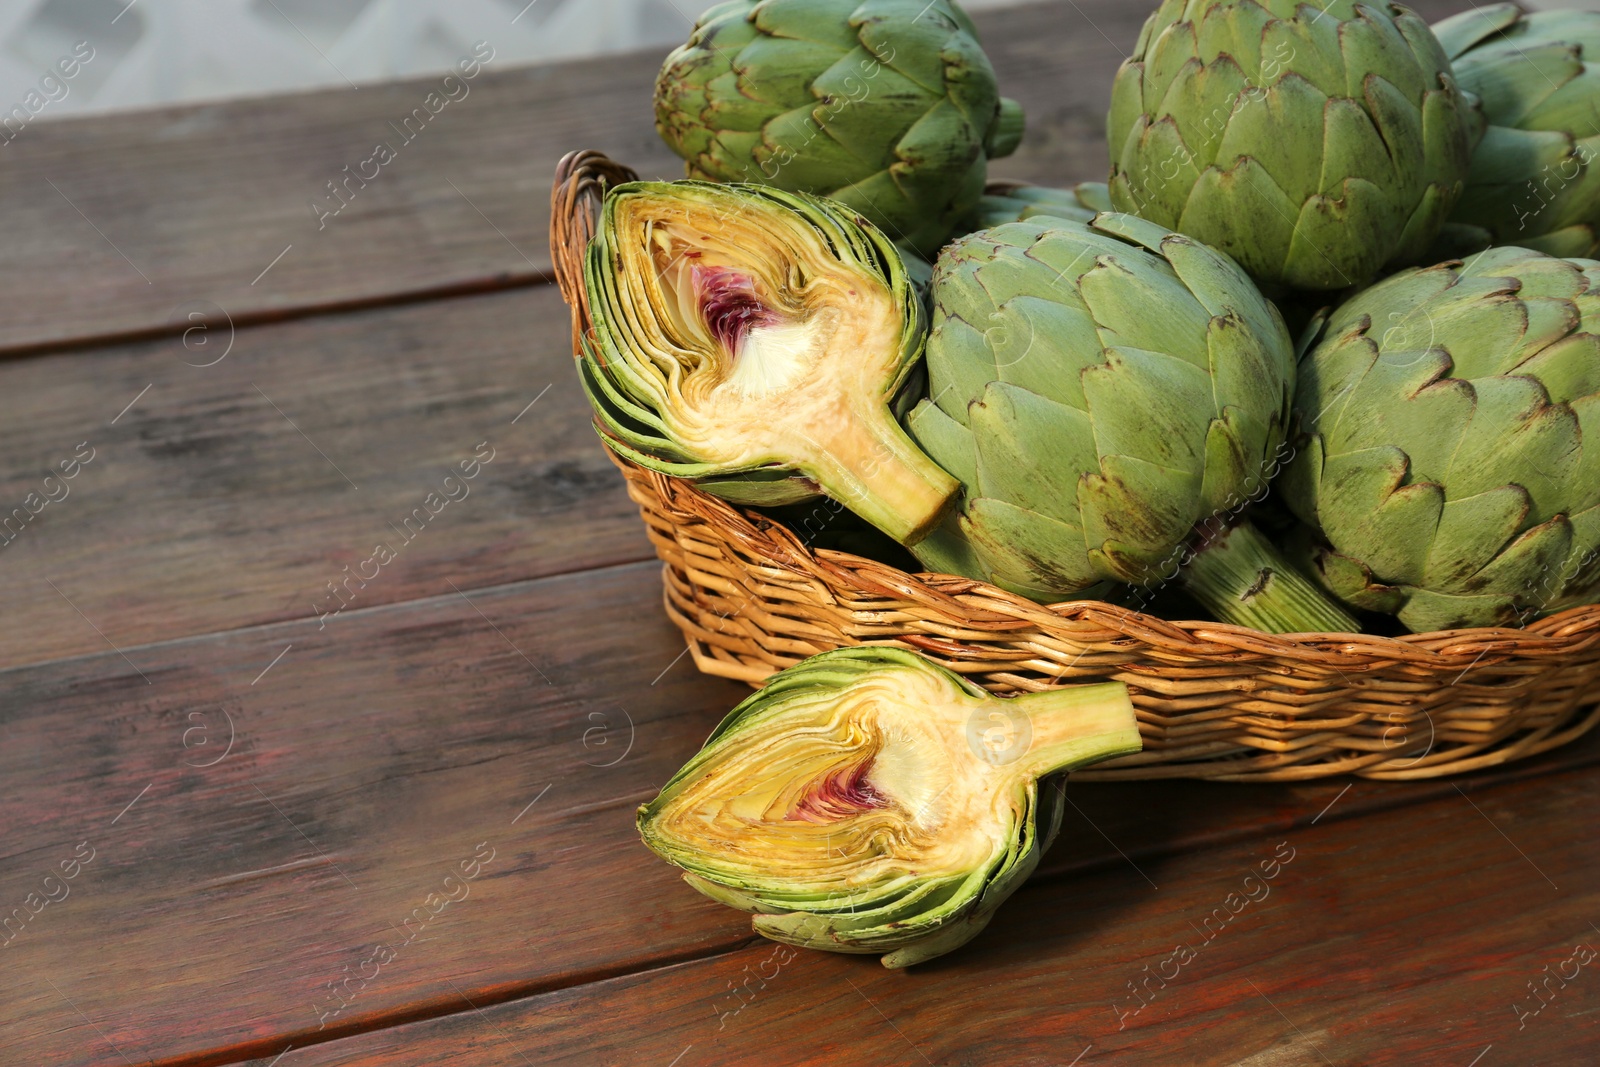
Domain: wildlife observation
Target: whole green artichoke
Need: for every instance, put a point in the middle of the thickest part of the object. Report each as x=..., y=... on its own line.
x=1449, y=463
x=1314, y=142
x=867, y=800
x=1532, y=181
x=1004, y=202
x=889, y=106
x=1102, y=392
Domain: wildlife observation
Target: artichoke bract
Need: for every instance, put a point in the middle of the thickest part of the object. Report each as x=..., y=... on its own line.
x=1314, y=141
x=1015, y=202
x=889, y=106
x=753, y=340
x=1532, y=181
x=1112, y=397
x=870, y=801
x=1449, y=464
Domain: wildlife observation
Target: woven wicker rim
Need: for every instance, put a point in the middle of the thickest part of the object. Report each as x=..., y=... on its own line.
x=955, y=619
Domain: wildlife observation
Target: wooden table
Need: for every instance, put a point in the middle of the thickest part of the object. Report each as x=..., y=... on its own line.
x=258, y=809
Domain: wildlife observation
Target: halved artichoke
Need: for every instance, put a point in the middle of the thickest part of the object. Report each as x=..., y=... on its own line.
x=870, y=801
x=753, y=339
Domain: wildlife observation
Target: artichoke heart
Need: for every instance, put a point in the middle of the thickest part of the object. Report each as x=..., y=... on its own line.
x=870, y=801
x=754, y=340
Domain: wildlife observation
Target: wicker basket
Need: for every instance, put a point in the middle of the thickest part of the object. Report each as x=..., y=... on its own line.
x=1214, y=701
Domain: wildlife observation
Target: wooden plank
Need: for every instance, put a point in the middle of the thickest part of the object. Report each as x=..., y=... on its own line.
x=1410, y=936
x=228, y=886
x=205, y=199
x=234, y=494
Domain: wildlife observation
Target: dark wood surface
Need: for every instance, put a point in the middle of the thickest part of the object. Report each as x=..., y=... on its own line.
x=259, y=799
x=1406, y=936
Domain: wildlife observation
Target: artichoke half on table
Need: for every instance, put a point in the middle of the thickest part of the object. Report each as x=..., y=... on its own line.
x=753, y=340
x=1314, y=141
x=1451, y=455
x=869, y=801
x=1533, y=180
x=889, y=106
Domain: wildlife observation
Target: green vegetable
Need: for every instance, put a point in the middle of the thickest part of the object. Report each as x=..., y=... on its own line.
x=1112, y=397
x=869, y=801
x=1449, y=417
x=1314, y=141
x=1016, y=201
x=753, y=339
x=1532, y=183
x=888, y=106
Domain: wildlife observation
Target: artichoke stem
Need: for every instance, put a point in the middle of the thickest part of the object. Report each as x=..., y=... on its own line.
x=868, y=463
x=1243, y=579
x=1058, y=729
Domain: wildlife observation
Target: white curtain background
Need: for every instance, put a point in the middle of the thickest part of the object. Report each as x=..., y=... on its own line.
x=152, y=52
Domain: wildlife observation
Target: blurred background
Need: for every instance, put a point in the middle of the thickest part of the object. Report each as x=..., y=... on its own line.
x=151, y=52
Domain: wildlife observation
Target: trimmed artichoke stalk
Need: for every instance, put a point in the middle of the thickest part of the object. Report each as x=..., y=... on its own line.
x=1243, y=577
x=1532, y=181
x=754, y=339
x=870, y=801
x=889, y=106
x=1111, y=396
x=1314, y=141
x=1448, y=466
x=1004, y=202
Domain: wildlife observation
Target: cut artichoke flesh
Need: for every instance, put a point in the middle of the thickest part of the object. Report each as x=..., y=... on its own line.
x=746, y=331
x=870, y=801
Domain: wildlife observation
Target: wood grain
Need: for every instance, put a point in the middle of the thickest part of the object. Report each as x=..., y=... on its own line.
x=204, y=198
x=230, y=886
x=1399, y=938
x=232, y=495
x=368, y=761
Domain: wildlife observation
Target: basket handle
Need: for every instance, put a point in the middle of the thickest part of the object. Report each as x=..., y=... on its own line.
x=582, y=179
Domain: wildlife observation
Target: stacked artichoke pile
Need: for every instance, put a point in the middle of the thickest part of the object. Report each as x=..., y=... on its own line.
x=1092, y=392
